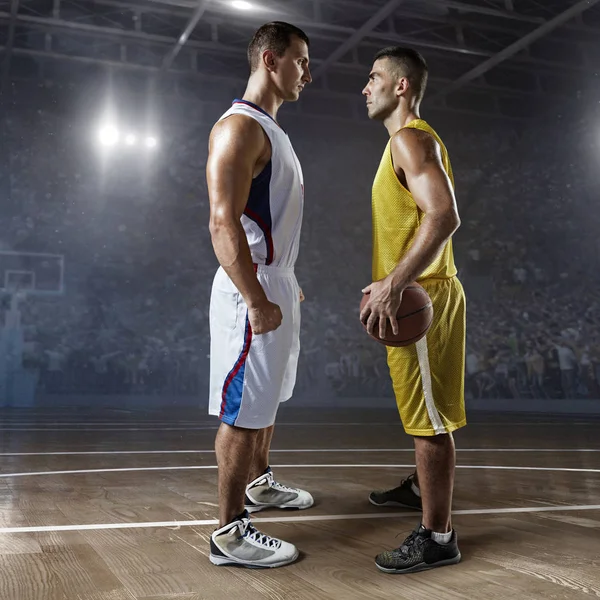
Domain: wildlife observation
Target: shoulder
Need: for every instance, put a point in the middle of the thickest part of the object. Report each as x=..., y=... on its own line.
x=236, y=130
x=411, y=146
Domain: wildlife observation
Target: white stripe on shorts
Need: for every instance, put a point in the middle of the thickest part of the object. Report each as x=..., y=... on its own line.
x=434, y=415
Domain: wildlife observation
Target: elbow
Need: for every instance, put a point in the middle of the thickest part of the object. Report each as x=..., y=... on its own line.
x=215, y=227
x=450, y=223
x=452, y=220
x=455, y=222
x=219, y=224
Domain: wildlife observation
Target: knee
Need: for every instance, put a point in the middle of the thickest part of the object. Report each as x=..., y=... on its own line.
x=440, y=439
x=226, y=431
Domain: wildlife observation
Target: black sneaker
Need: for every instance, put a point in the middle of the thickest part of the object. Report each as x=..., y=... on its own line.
x=403, y=495
x=419, y=552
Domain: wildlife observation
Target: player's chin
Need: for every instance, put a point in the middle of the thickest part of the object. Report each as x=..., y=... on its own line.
x=293, y=96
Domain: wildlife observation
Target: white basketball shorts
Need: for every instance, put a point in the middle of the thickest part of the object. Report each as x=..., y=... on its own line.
x=251, y=374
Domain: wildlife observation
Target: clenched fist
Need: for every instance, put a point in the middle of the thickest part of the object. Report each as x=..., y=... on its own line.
x=265, y=317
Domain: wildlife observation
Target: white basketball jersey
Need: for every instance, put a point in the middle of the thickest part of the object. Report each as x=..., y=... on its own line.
x=273, y=216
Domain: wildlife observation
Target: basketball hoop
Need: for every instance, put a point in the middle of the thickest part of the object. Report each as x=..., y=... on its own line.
x=31, y=273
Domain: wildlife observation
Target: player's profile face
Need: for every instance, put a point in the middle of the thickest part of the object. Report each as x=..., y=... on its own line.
x=381, y=98
x=292, y=71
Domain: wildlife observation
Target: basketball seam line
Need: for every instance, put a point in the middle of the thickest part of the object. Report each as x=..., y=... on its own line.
x=416, y=312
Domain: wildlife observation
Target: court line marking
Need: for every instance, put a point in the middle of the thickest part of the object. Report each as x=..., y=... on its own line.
x=296, y=519
x=102, y=429
x=313, y=466
x=90, y=423
x=294, y=450
x=215, y=427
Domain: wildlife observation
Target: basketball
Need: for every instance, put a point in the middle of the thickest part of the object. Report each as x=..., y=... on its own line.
x=415, y=316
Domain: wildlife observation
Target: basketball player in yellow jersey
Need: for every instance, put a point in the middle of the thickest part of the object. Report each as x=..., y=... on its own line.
x=414, y=218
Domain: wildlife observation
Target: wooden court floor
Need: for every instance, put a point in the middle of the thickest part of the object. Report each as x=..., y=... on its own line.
x=119, y=505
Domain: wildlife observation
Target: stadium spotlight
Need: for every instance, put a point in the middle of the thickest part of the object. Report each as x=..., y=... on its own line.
x=241, y=5
x=151, y=142
x=108, y=135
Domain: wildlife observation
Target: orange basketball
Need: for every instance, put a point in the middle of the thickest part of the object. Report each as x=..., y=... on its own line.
x=414, y=316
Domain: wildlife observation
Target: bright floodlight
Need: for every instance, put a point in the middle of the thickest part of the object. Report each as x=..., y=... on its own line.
x=241, y=5
x=131, y=140
x=151, y=142
x=109, y=135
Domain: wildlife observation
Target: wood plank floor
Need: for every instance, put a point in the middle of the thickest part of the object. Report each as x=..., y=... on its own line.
x=120, y=506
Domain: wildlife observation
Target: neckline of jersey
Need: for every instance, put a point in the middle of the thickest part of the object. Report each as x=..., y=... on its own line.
x=414, y=121
x=259, y=109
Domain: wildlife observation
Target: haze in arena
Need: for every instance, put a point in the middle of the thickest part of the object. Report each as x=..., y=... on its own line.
x=309, y=286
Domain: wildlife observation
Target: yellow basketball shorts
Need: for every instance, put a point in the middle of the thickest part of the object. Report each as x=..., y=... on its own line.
x=428, y=377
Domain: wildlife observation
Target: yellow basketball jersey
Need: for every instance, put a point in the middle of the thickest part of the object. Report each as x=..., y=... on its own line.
x=396, y=217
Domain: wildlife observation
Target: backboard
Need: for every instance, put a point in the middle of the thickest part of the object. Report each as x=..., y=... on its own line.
x=32, y=273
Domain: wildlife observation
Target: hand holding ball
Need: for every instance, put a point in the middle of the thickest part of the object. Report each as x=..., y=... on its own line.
x=414, y=316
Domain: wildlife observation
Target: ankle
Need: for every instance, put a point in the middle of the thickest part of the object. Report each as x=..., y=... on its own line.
x=256, y=473
x=440, y=527
x=441, y=538
x=232, y=516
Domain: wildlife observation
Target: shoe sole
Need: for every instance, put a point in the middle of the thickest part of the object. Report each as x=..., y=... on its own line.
x=223, y=561
x=394, y=503
x=421, y=566
x=253, y=509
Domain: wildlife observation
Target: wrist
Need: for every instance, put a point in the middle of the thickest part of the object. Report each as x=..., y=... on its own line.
x=398, y=281
x=256, y=300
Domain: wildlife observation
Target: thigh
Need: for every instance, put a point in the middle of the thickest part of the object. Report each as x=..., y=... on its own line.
x=291, y=371
x=229, y=344
x=267, y=364
x=428, y=376
x=449, y=350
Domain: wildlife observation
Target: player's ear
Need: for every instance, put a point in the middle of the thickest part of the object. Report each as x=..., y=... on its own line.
x=268, y=58
x=402, y=86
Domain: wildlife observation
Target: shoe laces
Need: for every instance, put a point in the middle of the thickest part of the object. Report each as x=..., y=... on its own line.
x=247, y=530
x=282, y=488
x=409, y=543
x=278, y=486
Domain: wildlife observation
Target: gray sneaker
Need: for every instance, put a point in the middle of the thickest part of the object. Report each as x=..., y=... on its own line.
x=403, y=495
x=240, y=543
x=265, y=492
x=419, y=552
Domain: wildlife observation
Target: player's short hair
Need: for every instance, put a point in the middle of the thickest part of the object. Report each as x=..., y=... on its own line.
x=275, y=36
x=410, y=64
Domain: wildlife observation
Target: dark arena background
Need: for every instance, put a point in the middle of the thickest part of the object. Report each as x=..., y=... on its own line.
x=107, y=471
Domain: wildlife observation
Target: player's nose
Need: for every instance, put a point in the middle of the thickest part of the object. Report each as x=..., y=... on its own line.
x=307, y=78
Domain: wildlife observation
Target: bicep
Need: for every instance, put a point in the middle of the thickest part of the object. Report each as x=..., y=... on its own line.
x=233, y=153
x=431, y=188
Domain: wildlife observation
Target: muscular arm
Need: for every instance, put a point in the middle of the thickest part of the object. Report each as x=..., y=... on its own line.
x=237, y=147
x=418, y=160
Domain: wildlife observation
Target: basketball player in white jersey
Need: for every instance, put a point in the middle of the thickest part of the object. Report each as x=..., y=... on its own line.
x=256, y=192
